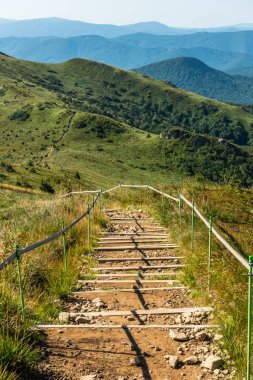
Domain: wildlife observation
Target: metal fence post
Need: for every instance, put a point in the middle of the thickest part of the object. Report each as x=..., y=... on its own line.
x=20, y=282
x=100, y=205
x=89, y=227
x=193, y=222
x=210, y=250
x=210, y=243
x=121, y=194
x=249, y=317
x=65, y=258
x=180, y=209
x=93, y=211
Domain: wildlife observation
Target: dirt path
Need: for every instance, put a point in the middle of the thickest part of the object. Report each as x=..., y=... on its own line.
x=64, y=132
x=135, y=320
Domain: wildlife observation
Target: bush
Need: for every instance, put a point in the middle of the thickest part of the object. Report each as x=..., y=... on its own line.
x=16, y=352
x=77, y=175
x=47, y=187
x=20, y=115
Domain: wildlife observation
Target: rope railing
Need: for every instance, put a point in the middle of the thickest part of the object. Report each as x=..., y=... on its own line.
x=218, y=236
x=195, y=212
x=47, y=240
x=80, y=192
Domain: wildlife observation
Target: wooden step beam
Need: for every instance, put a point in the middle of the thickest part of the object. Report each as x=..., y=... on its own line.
x=127, y=281
x=134, y=234
x=125, y=259
x=138, y=274
x=129, y=247
x=132, y=241
x=126, y=313
x=130, y=290
x=100, y=326
x=140, y=268
x=131, y=218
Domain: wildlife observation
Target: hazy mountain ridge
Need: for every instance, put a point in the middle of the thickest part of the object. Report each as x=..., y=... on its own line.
x=136, y=50
x=54, y=26
x=126, y=53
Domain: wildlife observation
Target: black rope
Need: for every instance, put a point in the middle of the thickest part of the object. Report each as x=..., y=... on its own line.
x=53, y=237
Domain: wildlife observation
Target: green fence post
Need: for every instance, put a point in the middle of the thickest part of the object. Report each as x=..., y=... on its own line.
x=121, y=194
x=93, y=211
x=193, y=222
x=180, y=209
x=100, y=205
x=210, y=249
x=249, y=317
x=65, y=257
x=210, y=243
x=20, y=282
x=88, y=227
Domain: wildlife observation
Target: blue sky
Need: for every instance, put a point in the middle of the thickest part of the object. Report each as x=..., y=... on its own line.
x=191, y=13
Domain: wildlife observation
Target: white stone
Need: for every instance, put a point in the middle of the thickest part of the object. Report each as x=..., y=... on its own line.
x=63, y=317
x=191, y=360
x=88, y=377
x=217, y=337
x=173, y=361
x=212, y=362
x=135, y=362
x=178, y=337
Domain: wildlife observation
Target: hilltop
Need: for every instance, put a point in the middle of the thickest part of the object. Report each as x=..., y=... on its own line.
x=193, y=75
x=66, y=125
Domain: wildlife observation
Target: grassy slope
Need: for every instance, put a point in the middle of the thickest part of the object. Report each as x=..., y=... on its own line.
x=43, y=107
x=193, y=75
x=132, y=98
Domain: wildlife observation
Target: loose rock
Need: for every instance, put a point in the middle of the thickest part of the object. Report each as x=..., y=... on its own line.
x=212, y=362
x=178, y=337
x=191, y=360
x=63, y=317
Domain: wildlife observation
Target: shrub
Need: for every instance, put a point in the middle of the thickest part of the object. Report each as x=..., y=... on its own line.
x=20, y=115
x=47, y=187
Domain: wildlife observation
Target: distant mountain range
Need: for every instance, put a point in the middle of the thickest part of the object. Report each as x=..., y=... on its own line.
x=223, y=51
x=59, y=27
x=215, y=62
x=193, y=75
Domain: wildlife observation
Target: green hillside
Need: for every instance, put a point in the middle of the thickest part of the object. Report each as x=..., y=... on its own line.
x=193, y=75
x=132, y=98
x=244, y=71
x=60, y=129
